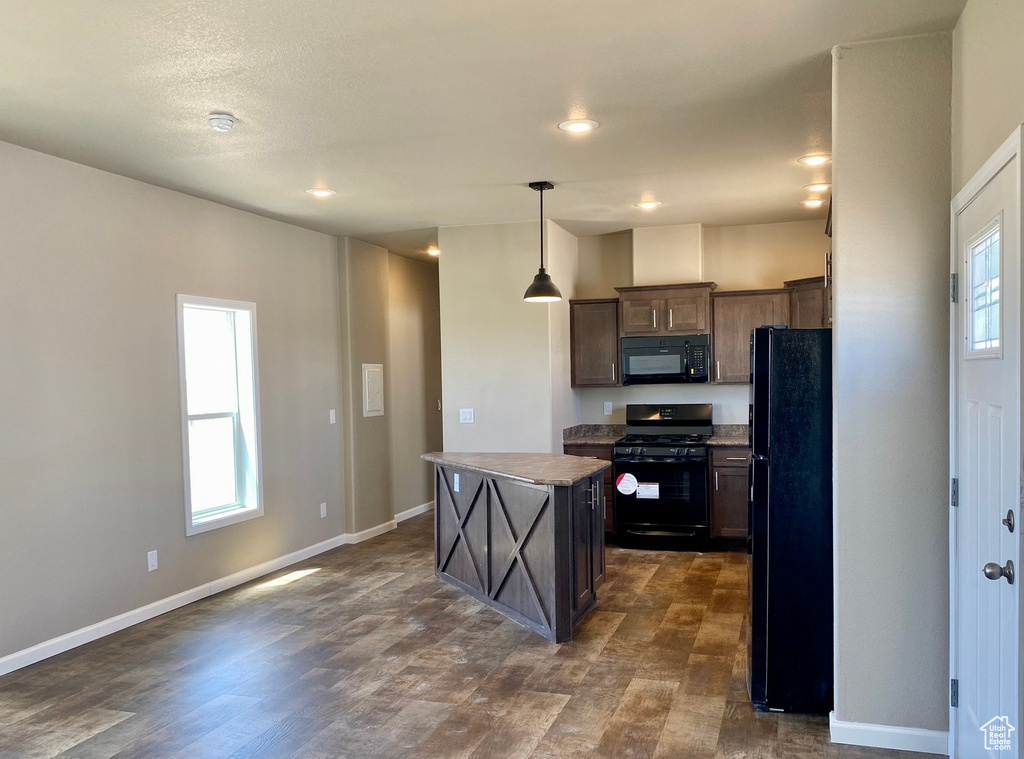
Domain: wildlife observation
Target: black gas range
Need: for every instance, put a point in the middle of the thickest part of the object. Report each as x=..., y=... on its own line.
x=661, y=477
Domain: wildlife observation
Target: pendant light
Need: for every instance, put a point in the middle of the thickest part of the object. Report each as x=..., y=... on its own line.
x=542, y=290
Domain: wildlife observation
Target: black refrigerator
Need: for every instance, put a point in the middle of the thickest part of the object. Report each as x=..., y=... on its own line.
x=791, y=520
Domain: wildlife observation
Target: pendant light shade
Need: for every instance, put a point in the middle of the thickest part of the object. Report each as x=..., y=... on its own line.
x=542, y=290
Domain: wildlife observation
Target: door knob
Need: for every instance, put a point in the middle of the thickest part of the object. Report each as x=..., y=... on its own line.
x=1008, y=522
x=993, y=571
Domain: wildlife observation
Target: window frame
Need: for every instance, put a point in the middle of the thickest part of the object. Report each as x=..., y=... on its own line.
x=239, y=512
x=971, y=353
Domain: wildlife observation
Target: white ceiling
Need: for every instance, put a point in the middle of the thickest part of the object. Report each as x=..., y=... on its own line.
x=427, y=113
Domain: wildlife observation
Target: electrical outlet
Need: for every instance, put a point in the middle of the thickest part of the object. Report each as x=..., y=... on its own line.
x=323, y=510
x=334, y=417
x=465, y=416
x=455, y=482
x=607, y=408
x=151, y=559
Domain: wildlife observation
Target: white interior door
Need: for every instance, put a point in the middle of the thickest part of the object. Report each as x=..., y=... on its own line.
x=986, y=460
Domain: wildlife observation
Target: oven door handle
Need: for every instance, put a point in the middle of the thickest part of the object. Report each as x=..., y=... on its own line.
x=666, y=462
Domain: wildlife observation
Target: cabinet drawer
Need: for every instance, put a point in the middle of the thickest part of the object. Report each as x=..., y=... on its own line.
x=730, y=457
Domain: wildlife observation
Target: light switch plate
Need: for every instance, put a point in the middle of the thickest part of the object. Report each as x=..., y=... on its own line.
x=151, y=560
x=334, y=417
x=455, y=482
x=466, y=416
x=323, y=510
x=607, y=408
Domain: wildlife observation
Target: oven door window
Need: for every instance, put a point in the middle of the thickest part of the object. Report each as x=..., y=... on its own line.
x=654, y=363
x=681, y=494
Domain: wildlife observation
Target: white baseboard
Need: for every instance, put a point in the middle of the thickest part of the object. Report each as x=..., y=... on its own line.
x=415, y=511
x=76, y=638
x=888, y=736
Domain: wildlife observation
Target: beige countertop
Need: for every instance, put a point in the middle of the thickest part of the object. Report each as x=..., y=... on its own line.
x=738, y=441
x=532, y=468
x=592, y=440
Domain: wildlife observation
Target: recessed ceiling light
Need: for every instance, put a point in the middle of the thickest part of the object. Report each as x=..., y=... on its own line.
x=815, y=160
x=813, y=203
x=320, y=192
x=647, y=205
x=820, y=187
x=578, y=126
x=433, y=251
x=221, y=122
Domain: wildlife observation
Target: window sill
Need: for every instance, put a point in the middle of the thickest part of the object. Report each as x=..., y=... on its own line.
x=221, y=520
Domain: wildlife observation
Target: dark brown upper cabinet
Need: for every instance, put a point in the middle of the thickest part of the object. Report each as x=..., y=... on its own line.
x=683, y=309
x=809, y=303
x=735, y=315
x=594, y=337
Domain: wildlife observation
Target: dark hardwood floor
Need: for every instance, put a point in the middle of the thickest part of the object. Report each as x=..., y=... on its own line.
x=360, y=652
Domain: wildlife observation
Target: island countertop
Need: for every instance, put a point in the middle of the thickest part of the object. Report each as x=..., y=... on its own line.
x=532, y=468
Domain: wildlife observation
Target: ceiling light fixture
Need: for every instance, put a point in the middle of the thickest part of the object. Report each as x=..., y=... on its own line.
x=543, y=290
x=433, y=251
x=221, y=122
x=814, y=160
x=578, y=126
x=648, y=205
x=320, y=192
x=819, y=187
x=813, y=203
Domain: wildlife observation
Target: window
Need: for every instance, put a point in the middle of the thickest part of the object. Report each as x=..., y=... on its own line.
x=220, y=416
x=983, y=260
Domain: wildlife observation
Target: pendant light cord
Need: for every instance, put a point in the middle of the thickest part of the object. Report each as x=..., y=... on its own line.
x=542, y=228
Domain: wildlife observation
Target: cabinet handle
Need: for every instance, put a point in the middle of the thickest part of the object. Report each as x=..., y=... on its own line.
x=613, y=372
x=670, y=319
x=716, y=480
x=718, y=371
x=654, y=311
x=735, y=458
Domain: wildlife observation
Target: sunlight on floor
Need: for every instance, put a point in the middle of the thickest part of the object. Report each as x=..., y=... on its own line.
x=287, y=579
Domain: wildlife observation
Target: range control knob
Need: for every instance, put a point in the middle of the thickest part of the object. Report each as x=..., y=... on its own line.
x=675, y=451
x=643, y=451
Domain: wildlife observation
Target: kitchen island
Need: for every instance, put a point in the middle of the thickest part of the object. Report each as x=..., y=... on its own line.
x=522, y=533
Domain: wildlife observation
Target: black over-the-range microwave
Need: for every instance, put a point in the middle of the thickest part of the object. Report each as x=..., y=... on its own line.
x=680, y=358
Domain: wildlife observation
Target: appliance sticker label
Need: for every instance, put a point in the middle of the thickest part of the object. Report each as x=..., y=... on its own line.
x=647, y=490
x=626, y=483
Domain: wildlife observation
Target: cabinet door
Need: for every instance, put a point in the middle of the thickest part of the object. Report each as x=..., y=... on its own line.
x=582, y=539
x=603, y=452
x=594, y=330
x=687, y=315
x=729, y=502
x=597, y=531
x=641, y=317
x=735, y=317
x=807, y=308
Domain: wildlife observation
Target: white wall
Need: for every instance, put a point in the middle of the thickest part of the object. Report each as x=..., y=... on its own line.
x=562, y=258
x=605, y=262
x=667, y=255
x=90, y=456
x=496, y=349
x=988, y=68
x=414, y=379
x=890, y=146
x=364, y=292
x=756, y=256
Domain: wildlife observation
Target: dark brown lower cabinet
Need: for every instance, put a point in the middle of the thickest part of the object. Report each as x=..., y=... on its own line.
x=729, y=492
x=603, y=452
x=535, y=553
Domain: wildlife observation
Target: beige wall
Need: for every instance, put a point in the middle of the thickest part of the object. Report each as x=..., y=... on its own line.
x=562, y=261
x=605, y=262
x=90, y=456
x=496, y=349
x=363, y=287
x=988, y=68
x=414, y=379
x=890, y=146
x=758, y=256
x=666, y=255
